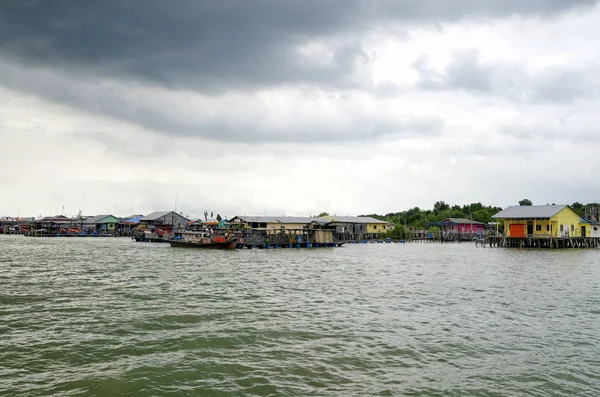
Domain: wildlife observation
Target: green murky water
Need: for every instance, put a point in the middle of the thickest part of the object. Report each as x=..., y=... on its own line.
x=111, y=317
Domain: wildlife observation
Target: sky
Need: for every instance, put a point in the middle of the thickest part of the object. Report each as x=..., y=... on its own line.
x=296, y=107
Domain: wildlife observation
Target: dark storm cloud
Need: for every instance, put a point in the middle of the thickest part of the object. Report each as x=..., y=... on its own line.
x=67, y=51
x=219, y=44
x=218, y=118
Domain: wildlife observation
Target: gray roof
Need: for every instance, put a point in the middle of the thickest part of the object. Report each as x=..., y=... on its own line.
x=56, y=219
x=530, y=211
x=160, y=214
x=463, y=221
x=275, y=219
x=306, y=219
x=295, y=219
x=320, y=221
x=98, y=218
x=356, y=219
x=256, y=219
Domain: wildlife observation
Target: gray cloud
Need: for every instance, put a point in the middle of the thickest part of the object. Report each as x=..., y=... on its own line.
x=214, y=45
x=466, y=72
x=107, y=57
x=216, y=118
x=580, y=128
x=565, y=85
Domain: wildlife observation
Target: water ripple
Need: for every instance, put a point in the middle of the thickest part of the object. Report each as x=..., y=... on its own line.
x=114, y=317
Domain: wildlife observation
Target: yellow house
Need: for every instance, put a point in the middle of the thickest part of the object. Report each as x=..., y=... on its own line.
x=542, y=221
x=373, y=226
x=294, y=224
x=377, y=227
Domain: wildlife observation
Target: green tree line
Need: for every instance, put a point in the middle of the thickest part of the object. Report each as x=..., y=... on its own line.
x=418, y=218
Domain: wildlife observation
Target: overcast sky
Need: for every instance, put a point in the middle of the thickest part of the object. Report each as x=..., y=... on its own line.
x=296, y=107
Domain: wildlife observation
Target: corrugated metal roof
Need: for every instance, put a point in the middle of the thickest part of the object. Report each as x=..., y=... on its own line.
x=306, y=219
x=529, y=211
x=98, y=218
x=159, y=214
x=295, y=219
x=320, y=221
x=275, y=219
x=356, y=219
x=256, y=219
x=57, y=218
x=461, y=221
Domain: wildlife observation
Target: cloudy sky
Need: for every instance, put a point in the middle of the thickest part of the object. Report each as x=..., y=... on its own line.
x=296, y=107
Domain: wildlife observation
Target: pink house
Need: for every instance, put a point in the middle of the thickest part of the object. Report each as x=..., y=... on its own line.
x=461, y=225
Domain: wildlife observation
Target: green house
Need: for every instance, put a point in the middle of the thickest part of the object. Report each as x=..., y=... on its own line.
x=103, y=222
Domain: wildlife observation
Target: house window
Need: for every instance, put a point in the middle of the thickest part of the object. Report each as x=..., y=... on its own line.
x=547, y=228
x=538, y=228
x=572, y=228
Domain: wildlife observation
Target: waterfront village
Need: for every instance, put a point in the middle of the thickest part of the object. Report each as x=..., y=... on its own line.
x=550, y=226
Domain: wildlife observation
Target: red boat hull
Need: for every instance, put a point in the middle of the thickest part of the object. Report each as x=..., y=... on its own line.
x=228, y=244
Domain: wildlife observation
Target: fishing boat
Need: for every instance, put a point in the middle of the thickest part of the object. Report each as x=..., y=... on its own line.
x=203, y=240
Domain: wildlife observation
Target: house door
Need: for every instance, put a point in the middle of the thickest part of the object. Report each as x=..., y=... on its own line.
x=529, y=227
x=517, y=230
x=583, y=233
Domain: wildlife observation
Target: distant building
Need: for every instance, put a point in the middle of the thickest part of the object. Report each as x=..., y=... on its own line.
x=592, y=228
x=135, y=218
x=165, y=218
x=364, y=226
x=272, y=223
x=55, y=224
x=17, y=225
x=195, y=224
x=106, y=223
x=462, y=225
x=130, y=222
x=543, y=221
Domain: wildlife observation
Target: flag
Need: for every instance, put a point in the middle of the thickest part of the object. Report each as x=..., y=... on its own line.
x=219, y=217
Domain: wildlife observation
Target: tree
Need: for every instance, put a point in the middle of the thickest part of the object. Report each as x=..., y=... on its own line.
x=525, y=202
x=440, y=206
x=579, y=208
x=322, y=214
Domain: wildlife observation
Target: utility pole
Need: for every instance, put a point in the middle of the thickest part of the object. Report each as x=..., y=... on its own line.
x=471, y=224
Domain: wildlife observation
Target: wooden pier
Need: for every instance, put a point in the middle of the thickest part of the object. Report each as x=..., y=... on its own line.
x=445, y=238
x=540, y=242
